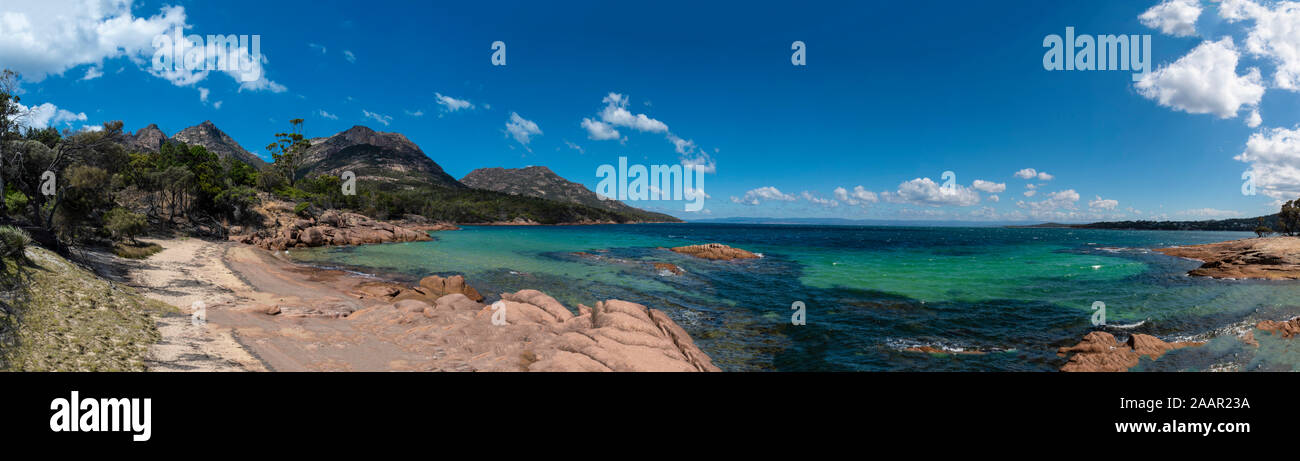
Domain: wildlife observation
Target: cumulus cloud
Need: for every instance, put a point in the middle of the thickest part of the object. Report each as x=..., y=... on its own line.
x=757, y=196
x=1275, y=35
x=1254, y=120
x=93, y=73
x=48, y=37
x=1103, y=204
x=598, y=130
x=859, y=196
x=1057, y=205
x=381, y=118
x=924, y=191
x=1205, y=81
x=46, y=115
x=348, y=55
x=828, y=203
x=988, y=186
x=451, y=104
x=1173, y=17
x=521, y=129
x=605, y=127
x=1030, y=173
x=1274, y=156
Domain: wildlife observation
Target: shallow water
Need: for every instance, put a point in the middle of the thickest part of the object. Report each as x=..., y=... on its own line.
x=1016, y=294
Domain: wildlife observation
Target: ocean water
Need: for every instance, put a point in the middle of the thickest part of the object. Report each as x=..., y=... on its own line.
x=870, y=292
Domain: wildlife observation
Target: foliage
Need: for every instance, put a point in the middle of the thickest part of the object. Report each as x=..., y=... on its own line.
x=122, y=223
x=13, y=241
x=288, y=151
x=1288, y=219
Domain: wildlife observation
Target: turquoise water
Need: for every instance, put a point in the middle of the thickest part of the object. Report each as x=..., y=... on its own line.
x=1016, y=294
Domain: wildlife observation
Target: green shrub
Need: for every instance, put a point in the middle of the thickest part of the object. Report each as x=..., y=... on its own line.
x=13, y=241
x=122, y=223
x=302, y=209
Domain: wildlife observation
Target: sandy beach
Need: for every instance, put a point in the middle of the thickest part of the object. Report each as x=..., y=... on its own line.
x=264, y=313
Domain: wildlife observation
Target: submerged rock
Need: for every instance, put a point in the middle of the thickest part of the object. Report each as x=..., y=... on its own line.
x=715, y=251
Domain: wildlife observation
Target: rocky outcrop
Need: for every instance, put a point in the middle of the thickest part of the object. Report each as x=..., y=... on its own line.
x=716, y=251
x=1271, y=258
x=331, y=228
x=1100, y=351
x=147, y=139
x=530, y=331
x=207, y=134
x=1287, y=329
x=668, y=268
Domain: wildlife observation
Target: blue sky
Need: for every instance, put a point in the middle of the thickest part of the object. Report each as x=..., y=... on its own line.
x=892, y=96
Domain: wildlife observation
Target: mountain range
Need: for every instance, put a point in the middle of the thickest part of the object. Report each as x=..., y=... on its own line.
x=541, y=182
x=390, y=162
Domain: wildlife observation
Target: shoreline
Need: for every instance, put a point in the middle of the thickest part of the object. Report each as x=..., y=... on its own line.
x=269, y=314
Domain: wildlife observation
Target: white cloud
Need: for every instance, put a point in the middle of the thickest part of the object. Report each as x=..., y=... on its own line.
x=1030, y=193
x=451, y=104
x=48, y=37
x=47, y=115
x=381, y=118
x=994, y=198
x=1030, y=173
x=859, y=196
x=1274, y=156
x=203, y=94
x=575, y=147
x=328, y=115
x=615, y=115
x=1205, y=81
x=347, y=54
x=522, y=129
x=924, y=191
x=318, y=47
x=415, y=113
x=988, y=186
x=217, y=105
x=93, y=73
x=1275, y=35
x=1057, y=205
x=1103, y=204
x=757, y=196
x=598, y=130
x=1254, y=120
x=1173, y=17
x=828, y=203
